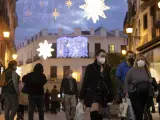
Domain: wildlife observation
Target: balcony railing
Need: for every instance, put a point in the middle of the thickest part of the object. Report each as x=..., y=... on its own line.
x=20, y=63
x=157, y=24
x=28, y=61
x=35, y=58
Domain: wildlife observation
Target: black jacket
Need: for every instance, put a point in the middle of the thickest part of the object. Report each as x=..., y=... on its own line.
x=90, y=83
x=65, y=87
x=34, y=83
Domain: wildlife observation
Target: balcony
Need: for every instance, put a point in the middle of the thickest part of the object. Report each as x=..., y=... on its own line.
x=28, y=61
x=20, y=63
x=157, y=24
x=35, y=58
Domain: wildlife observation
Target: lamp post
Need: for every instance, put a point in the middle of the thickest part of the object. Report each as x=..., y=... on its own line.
x=6, y=34
x=159, y=4
x=14, y=56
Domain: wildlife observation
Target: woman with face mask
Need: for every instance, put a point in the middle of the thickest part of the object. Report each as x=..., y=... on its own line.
x=96, y=91
x=137, y=86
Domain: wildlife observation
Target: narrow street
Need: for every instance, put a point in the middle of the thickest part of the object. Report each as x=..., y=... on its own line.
x=61, y=116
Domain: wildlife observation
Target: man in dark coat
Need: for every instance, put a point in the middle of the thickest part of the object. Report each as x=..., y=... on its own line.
x=34, y=82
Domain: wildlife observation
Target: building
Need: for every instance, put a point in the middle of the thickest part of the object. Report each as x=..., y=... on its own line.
x=8, y=23
x=144, y=17
x=54, y=68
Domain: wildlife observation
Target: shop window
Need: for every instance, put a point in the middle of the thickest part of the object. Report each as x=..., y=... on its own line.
x=97, y=47
x=111, y=48
x=53, y=72
x=65, y=68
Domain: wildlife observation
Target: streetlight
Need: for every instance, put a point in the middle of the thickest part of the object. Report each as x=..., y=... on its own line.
x=124, y=52
x=129, y=30
x=6, y=34
x=14, y=56
x=159, y=4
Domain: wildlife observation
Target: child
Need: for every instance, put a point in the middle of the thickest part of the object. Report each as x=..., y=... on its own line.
x=23, y=101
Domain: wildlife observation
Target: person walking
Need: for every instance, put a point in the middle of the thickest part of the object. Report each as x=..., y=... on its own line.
x=10, y=92
x=34, y=83
x=121, y=72
x=69, y=89
x=54, y=100
x=97, y=89
x=47, y=100
x=158, y=97
x=137, y=86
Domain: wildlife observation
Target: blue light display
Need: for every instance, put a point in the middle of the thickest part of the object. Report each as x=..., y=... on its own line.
x=76, y=47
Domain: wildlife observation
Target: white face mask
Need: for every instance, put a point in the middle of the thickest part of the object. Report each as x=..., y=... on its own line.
x=141, y=63
x=102, y=60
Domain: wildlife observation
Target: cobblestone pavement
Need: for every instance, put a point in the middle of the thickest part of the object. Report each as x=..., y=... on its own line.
x=61, y=116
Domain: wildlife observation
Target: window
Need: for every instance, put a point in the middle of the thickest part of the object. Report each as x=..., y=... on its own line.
x=97, y=47
x=54, y=53
x=65, y=68
x=111, y=48
x=145, y=22
x=53, y=72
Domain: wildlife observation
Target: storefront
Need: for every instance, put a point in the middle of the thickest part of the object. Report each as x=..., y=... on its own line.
x=152, y=52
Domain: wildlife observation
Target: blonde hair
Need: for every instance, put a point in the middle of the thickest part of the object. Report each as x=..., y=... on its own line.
x=67, y=72
x=147, y=65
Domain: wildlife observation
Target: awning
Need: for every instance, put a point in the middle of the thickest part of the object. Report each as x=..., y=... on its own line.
x=149, y=45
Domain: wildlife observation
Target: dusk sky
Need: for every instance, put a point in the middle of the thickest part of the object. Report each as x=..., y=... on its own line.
x=41, y=17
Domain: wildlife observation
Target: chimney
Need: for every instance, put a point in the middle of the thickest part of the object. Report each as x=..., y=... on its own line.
x=77, y=31
x=60, y=31
x=92, y=31
x=117, y=33
x=103, y=32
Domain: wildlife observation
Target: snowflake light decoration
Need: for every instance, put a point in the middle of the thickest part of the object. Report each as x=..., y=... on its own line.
x=28, y=13
x=42, y=3
x=45, y=50
x=55, y=14
x=94, y=9
x=69, y=3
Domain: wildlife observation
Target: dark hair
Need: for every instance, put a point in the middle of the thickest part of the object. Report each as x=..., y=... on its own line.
x=130, y=52
x=38, y=68
x=12, y=63
x=99, y=51
x=55, y=86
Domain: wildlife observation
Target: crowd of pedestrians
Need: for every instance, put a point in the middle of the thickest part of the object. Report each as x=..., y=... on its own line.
x=133, y=77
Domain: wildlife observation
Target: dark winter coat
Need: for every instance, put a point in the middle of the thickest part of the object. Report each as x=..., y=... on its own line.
x=34, y=83
x=90, y=83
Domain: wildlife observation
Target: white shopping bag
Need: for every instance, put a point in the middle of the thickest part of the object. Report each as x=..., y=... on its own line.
x=79, y=111
x=123, y=109
x=130, y=112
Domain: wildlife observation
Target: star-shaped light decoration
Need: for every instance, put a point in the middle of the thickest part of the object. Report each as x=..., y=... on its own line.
x=69, y=3
x=42, y=3
x=45, y=49
x=94, y=9
x=55, y=14
x=28, y=13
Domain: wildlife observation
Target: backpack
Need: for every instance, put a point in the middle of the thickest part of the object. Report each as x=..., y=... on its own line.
x=3, y=81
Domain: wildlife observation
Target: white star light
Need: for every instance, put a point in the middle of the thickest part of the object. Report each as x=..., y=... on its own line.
x=45, y=50
x=94, y=9
x=69, y=3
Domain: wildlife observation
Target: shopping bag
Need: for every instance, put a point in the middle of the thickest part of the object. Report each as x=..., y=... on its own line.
x=123, y=109
x=79, y=111
x=130, y=112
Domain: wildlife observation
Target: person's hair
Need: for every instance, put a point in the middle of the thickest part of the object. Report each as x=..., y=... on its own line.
x=55, y=86
x=12, y=63
x=38, y=68
x=67, y=72
x=147, y=64
x=131, y=52
x=106, y=58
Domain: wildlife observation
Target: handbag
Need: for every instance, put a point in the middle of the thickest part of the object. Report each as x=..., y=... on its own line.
x=79, y=111
x=122, y=113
